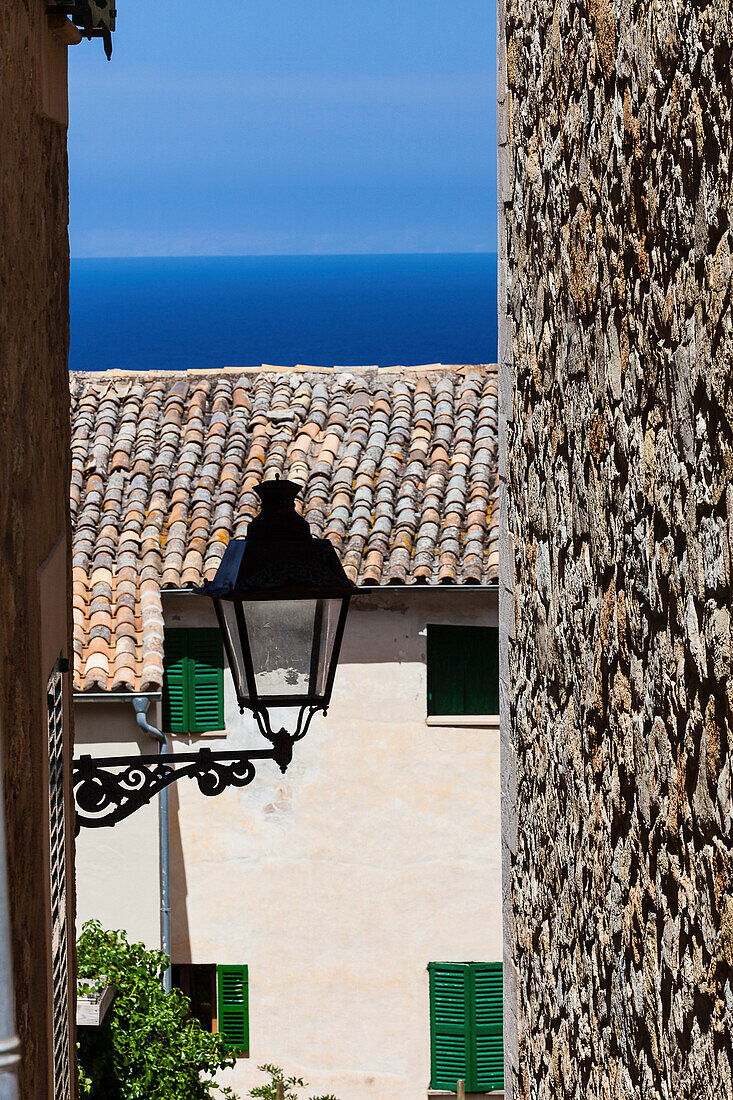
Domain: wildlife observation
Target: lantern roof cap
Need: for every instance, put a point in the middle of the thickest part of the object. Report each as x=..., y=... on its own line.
x=279, y=558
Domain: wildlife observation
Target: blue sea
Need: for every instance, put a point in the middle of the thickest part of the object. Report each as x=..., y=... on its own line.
x=181, y=313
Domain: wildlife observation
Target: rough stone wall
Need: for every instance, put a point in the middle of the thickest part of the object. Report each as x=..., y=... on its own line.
x=34, y=470
x=617, y=205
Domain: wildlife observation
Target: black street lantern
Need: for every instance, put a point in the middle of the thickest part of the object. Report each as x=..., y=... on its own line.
x=281, y=598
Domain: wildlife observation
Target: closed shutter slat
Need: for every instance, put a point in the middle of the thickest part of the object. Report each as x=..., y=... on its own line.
x=481, y=670
x=487, y=998
x=445, y=690
x=206, y=664
x=233, y=1005
x=175, y=681
x=449, y=1030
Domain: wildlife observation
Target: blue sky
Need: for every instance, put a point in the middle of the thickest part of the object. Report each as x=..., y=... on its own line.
x=286, y=127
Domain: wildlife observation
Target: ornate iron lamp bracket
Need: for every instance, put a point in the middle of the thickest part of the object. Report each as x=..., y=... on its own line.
x=109, y=789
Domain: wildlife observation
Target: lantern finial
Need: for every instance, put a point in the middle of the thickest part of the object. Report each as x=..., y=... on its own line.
x=277, y=519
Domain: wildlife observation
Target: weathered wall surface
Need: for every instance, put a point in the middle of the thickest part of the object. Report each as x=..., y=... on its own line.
x=616, y=180
x=34, y=470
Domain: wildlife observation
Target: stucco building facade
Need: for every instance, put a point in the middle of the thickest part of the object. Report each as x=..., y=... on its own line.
x=616, y=346
x=331, y=889
x=338, y=883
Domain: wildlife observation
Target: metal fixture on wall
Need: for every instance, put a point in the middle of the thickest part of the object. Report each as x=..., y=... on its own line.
x=94, y=18
x=281, y=598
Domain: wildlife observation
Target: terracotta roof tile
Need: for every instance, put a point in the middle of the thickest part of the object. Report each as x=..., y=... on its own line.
x=399, y=468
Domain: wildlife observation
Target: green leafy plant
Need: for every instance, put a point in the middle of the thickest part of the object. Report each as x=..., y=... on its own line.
x=148, y=1047
x=290, y=1084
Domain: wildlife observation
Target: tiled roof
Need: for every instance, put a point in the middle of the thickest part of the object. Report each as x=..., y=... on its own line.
x=399, y=467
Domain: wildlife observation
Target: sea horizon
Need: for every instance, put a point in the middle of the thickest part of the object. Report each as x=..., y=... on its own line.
x=273, y=255
x=355, y=309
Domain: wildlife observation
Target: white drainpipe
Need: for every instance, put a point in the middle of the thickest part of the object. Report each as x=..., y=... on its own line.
x=9, y=1043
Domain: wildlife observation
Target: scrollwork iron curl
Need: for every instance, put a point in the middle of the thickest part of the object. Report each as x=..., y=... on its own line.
x=214, y=777
x=109, y=790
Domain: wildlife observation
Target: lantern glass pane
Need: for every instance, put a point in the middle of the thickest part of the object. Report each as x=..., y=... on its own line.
x=329, y=618
x=233, y=647
x=291, y=642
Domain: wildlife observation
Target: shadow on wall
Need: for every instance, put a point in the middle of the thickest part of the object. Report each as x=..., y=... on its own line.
x=119, y=724
x=180, y=933
x=381, y=641
x=388, y=626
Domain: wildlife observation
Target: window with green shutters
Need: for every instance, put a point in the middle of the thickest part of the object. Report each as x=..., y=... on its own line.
x=219, y=999
x=466, y=1026
x=463, y=669
x=193, y=688
x=233, y=1006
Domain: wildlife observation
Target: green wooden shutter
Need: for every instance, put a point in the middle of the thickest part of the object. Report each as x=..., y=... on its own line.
x=175, y=681
x=450, y=1053
x=481, y=670
x=487, y=1039
x=193, y=690
x=445, y=694
x=463, y=670
x=205, y=681
x=466, y=1026
x=232, y=983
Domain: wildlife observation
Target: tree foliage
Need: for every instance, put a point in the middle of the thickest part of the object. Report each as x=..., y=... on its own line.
x=269, y=1090
x=148, y=1047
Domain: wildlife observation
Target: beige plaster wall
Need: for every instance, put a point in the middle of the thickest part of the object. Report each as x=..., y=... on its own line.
x=378, y=852
x=118, y=869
